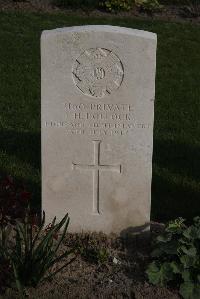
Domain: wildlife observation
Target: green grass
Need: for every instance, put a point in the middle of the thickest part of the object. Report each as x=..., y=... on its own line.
x=176, y=162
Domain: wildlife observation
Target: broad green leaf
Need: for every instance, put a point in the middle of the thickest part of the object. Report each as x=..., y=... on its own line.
x=189, y=251
x=164, y=238
x=192, y=232
x=188, y=261
x=197, y=221
x=177, y=268
x=190, y=290
x=160, y=274
x=176, y=226
x=186, y=275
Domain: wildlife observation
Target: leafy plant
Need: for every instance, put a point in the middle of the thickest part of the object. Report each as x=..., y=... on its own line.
x=177, y=258
x=148, y=5
x=34, y=252
x=91, y=250
x=28, y=251
x=117, y=5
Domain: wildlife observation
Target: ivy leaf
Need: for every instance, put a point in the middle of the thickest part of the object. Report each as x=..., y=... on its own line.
x=164, y=238
x=157, y=252
x=160, y=273
x=189, y=251
x=186, y=275
x=177, y=268
x=197, y=221
x=192, y=233
x=190, y=290
x=168, y=248
x=176, y=226
x=171, y=247
x=188, y=261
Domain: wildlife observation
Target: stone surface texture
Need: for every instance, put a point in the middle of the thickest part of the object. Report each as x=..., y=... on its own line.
x=98, y=89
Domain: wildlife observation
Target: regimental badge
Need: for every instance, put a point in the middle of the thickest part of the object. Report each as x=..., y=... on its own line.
x=98, y=72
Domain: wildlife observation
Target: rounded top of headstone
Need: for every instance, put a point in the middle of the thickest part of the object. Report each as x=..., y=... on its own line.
x=102, y=28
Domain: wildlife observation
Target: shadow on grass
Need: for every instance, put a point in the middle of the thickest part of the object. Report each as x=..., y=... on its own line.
x=30, y=186
x=26, y=148
x=176, y=178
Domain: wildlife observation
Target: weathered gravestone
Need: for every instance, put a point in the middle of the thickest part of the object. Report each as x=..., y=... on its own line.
x=97, y=126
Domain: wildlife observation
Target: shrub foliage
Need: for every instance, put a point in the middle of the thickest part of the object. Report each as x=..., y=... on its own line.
x=117, y=5
x=109, y=5
x=177, y=258
x=148, y=5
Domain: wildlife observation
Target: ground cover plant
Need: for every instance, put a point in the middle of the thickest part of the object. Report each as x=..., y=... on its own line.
x=176, y=257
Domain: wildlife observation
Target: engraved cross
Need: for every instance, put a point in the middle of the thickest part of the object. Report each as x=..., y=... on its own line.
x=96, y=167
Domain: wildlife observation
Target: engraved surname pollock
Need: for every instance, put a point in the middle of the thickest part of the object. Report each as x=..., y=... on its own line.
x=96, y=167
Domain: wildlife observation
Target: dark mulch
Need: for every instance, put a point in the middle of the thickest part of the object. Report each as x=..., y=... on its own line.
x=121, y=275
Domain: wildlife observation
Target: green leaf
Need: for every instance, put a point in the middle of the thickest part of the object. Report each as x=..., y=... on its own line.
x=157, y=252
x=39, y=230
x=177, y=268
x=17, y=279
x=192, y=232
x=189, y=251
x=188, y=261
x=60, y=269
x=176, y=226
x=186, y=275
x=30, y=262
x=197, y=221
x=190, y=290
x=170, y=248
x=160, y=274
x=63, y=234
x=164, y=238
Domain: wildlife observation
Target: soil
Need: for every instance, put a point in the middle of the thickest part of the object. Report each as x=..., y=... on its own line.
x=118, y=274
x=176, y=13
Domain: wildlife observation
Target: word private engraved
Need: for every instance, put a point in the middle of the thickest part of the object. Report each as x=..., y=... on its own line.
x=98, y=72
x=96, y=167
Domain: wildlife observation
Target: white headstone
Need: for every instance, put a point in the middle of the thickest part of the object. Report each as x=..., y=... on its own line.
x=98, y=87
